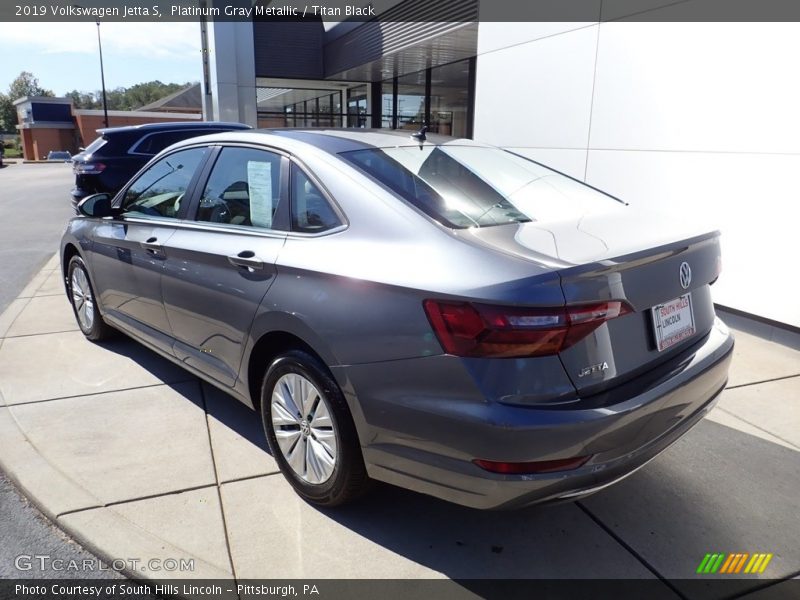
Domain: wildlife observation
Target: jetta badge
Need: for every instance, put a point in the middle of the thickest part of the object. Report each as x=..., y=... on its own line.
x=593, y=369
x=685, y=274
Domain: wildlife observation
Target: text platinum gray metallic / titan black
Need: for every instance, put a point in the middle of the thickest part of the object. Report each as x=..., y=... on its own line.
x=430, y=312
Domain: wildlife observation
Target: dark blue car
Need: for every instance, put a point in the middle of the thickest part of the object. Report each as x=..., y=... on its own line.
x=113, y=158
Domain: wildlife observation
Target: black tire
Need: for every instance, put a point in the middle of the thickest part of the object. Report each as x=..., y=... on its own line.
x=348, y=478
x=82, y=298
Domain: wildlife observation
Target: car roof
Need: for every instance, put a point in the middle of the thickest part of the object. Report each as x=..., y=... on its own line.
x=333, y=141
x=171, y=126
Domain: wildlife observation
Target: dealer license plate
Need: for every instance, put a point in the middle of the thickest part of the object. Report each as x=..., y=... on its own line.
x=673, y=321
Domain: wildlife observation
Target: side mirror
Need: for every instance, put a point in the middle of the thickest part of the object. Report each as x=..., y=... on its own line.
x=96, y=205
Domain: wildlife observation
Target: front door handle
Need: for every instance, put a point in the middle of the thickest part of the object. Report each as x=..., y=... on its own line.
x=246, y=259
x=152, y=246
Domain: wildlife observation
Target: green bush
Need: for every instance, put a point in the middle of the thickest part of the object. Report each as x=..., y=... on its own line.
x=12, y=148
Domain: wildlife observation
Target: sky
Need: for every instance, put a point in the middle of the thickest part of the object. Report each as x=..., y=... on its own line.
x=64, y=56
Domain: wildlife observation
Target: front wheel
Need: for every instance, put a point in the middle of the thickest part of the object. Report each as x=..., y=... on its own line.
x=310, y=430
x=82, y=298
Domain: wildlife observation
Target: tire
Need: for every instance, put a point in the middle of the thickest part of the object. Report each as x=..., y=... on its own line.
x=314, y=442
x=84, y=305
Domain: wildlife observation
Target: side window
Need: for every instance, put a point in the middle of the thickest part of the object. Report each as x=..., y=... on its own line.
x=311, y=212
x=156, y=142
x=159, y=190
x=243, y=189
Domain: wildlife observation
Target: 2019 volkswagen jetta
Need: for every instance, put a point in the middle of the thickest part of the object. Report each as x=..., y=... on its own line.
x=431, y=312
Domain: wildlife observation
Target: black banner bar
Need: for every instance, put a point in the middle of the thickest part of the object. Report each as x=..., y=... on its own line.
x=394, y=589
x=401, y=10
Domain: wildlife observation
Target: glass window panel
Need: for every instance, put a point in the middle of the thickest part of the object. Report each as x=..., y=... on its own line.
x=311, y=212
x=243, y=189
x=387, y=106
x=357, y=115
x=464, y=186
x=159, y=190
x=449, y=99
x=411, y=101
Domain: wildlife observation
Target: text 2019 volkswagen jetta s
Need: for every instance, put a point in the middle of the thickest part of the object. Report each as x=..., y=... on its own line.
x=431, y=312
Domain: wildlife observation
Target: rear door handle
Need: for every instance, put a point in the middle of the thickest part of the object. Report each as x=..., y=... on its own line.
x=152, y=246
x=247, y=259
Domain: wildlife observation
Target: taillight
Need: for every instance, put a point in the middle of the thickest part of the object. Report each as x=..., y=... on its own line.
x=481, y=330
x=88, y=168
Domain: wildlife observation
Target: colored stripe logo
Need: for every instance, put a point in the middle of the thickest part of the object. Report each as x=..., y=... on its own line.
x=734, y=563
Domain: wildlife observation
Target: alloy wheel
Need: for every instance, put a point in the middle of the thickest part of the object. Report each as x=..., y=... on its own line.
x=303, y=428
x=82, y=298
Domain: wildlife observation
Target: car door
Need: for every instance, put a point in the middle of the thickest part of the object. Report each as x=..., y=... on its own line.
x=220, y=265
x=128, y=250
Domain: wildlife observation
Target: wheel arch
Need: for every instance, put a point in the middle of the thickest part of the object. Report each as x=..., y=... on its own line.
x=269, y=346
x=67, y=253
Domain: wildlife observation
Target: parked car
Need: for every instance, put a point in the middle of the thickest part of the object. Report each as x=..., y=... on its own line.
x=434, y=313
x=61, y=155
x=112, y=159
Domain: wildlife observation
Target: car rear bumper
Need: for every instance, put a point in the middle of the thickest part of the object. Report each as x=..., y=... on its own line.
x=425, y=439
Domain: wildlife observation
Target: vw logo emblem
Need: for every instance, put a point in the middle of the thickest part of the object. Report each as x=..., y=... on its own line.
x=685, y=273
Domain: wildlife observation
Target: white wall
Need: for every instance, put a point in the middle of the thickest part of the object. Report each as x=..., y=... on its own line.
x=700, y=119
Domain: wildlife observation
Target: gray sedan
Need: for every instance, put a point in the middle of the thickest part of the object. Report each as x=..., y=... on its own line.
x=426, y=311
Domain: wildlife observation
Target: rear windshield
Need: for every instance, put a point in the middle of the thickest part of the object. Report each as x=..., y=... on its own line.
x=95, y=145
x=472, y=186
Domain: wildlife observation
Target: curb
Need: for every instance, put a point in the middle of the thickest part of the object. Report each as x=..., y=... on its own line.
x=41, y=483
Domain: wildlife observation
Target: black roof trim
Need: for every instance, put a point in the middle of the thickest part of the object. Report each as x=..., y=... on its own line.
x=171, y=126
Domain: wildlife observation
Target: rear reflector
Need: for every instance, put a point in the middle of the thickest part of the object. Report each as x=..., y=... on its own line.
x=527, y=468
x=481, y=330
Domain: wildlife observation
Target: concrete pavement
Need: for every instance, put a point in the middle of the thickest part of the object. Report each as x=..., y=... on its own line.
x=139, y=460
x=34, y=205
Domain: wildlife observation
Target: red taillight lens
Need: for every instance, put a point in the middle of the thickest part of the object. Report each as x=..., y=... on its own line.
x=480, y=330
x=539, y=466
x=82, y=168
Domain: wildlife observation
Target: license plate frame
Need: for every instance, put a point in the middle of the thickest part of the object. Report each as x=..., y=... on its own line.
x=673, y=321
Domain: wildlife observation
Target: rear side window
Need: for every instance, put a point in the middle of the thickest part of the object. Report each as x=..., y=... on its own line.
x=156, y=142
x=311, y=211
x=243, y=189
x=159, y=190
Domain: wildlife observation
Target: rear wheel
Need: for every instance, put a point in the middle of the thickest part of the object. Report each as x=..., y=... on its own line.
x=81, y=296
x=310, y=430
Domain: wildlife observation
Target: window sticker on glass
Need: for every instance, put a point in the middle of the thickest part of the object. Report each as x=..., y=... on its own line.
x=259, y=183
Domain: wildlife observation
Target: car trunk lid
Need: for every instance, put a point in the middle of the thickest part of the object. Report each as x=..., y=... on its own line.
x=660, y=270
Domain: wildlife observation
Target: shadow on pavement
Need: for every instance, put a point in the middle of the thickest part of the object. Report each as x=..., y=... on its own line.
x=715, y=490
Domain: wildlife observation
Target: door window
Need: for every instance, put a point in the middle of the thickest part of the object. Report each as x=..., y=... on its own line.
x=243, y=189
x=160, y=189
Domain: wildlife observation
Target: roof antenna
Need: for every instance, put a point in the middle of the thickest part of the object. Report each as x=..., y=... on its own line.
x=420, y=135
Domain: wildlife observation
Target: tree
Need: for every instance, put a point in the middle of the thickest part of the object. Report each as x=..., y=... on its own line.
x=26, y=84
x=8, y=114
x=83, y=99
x=122, y=98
